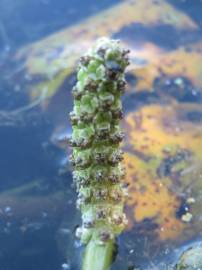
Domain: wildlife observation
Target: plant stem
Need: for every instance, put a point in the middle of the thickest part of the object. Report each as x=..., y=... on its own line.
x=97, y=256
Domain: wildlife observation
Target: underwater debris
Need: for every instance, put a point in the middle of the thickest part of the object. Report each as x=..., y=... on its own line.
x=191, y=200
x=187, y=217
x=65, y=266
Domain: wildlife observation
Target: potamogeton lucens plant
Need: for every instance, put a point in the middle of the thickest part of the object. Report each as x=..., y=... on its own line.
x=96, y=156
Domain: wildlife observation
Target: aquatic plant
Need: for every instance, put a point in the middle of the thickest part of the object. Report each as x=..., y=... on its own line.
x=96, y=156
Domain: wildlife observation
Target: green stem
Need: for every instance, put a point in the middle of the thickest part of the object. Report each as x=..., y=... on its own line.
x=98, y=257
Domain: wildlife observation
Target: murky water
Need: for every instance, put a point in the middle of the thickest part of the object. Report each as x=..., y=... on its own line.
x=40, y=43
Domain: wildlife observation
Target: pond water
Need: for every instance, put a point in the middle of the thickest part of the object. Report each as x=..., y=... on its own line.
x=40, y=43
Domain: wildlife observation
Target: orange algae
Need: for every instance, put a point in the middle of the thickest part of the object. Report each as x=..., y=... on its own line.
x=160, y=146
x=184, y=61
